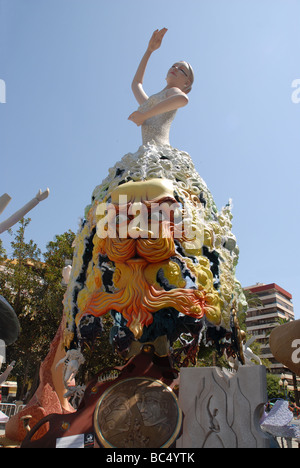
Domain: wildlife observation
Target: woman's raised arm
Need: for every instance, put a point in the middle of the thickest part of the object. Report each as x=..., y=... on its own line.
x=137, y=82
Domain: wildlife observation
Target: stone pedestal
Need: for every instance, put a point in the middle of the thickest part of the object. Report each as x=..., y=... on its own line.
x=222, y=410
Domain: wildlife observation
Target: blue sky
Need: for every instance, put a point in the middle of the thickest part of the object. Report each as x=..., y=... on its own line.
x=68, y=66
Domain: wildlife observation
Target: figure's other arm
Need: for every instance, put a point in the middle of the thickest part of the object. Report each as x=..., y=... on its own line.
x=176, y=100
x=137, y=83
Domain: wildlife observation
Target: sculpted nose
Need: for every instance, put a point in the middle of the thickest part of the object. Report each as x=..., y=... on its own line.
x=135, y=232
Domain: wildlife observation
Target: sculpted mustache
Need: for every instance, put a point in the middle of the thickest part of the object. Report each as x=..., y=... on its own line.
x=152, y=250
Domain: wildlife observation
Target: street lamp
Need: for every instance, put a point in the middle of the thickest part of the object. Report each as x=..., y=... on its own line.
x=283, y=383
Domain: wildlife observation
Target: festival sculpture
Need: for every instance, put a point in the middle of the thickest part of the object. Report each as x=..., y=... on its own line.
x=153, y=249
x=155, y=253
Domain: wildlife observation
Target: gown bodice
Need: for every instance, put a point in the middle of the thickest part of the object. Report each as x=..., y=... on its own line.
x=156, y=128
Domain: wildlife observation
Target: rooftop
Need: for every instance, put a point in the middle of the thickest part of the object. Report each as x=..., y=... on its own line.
x=260, y=287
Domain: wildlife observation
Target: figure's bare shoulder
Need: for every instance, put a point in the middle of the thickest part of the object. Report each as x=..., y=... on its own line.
x=176, y=92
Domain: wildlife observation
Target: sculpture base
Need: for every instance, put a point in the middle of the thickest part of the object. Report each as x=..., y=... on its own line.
x=137, y=409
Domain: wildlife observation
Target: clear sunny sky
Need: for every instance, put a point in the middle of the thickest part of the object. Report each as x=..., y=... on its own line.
x=67, y=67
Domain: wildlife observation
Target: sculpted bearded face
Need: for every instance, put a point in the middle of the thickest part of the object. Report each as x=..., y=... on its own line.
x=147, y=258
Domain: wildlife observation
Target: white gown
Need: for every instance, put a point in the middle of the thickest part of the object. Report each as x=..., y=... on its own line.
x=157, y=128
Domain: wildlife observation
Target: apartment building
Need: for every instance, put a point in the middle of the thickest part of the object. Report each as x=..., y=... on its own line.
x=274, y=303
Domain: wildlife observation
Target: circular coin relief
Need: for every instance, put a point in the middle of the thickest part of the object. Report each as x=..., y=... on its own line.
x=137, y=413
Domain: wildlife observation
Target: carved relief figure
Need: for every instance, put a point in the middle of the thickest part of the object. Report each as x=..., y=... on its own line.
x=137, y=413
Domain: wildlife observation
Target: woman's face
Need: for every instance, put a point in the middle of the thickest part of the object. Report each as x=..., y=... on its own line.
x=178, y=76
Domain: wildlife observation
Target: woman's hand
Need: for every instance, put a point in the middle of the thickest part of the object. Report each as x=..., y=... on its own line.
x=156, y=39
x=137, y=82
x=137, y=117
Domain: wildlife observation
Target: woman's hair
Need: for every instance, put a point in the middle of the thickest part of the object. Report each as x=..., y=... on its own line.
x=191, y=75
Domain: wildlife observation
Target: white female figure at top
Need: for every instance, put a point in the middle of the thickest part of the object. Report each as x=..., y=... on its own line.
x=156, y=113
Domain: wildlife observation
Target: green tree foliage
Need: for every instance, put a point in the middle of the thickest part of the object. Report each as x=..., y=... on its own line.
x=51, y=300
x=20, y=285
x=252, y=299
x=2, y=251
x=273, y=387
